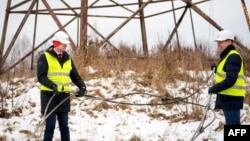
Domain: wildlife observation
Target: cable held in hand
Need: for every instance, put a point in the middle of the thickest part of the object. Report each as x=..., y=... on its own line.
x=54, y=88
x=81, y=92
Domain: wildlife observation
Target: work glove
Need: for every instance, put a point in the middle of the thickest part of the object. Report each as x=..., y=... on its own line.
x=54, y=88
x=210, y=90
x=81, y=92
x=213, y=67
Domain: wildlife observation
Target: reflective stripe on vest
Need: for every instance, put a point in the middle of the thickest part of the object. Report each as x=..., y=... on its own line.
x=239, y=88
x=59, y=75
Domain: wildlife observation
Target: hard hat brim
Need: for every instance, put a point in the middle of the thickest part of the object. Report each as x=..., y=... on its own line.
x=65, y=42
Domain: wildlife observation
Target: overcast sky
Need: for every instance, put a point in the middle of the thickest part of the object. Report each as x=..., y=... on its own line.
x=227, y=13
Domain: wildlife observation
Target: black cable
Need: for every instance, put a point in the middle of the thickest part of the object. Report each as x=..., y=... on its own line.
x=200, y=129
x=165, y=100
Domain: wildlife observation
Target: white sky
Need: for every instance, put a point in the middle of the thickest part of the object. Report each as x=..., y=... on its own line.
x=114, y=124
x=227, y=13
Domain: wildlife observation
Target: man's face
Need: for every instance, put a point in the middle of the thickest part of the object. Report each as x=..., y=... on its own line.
x=222, y=45
x=62, y=47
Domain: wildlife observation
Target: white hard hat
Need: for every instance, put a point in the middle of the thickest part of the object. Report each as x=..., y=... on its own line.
x=224, y=35
x=61, y=37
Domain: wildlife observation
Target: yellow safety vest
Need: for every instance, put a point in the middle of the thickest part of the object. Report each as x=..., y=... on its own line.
x=239, y=88
x=58, y=74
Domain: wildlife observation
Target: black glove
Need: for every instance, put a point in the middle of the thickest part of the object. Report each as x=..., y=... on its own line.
x=210, y=91
x=54, y=88
x=213, y=67
x=81, y=92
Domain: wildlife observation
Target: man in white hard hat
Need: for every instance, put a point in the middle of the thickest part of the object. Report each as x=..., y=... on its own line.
x=55, y=69
x=230, y=83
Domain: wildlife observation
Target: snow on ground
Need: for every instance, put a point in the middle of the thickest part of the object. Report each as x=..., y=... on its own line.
x=92, y=119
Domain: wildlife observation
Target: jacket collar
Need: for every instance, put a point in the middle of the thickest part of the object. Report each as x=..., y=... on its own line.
x=227, y=50
x=53, y=53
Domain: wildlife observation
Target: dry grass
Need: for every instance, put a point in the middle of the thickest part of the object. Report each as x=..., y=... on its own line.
x=158, y=69
x=135, y=138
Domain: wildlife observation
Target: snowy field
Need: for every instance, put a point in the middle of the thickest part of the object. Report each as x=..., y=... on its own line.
x=136, y=113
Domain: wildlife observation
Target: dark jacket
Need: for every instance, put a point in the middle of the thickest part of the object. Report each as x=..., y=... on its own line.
x=232, y=67
x=42, y=70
